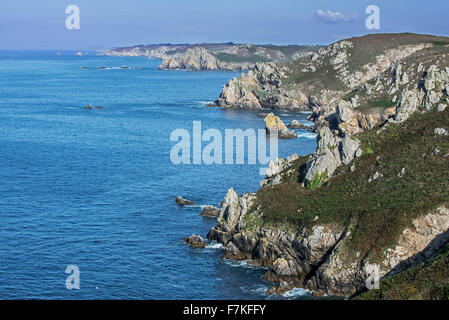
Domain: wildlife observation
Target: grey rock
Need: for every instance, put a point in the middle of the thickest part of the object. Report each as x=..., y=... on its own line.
x=182, y=202
x=210, y=211
x=295, y=124
x=441, y=107
x=195, y=241
x=350, y=147
x=441, y=132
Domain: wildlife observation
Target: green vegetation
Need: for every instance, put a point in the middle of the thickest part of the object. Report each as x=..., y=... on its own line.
x=366, y=48
x=317, y=181
x=429, y=281
x=381, y=209
x=367, y=151
x=324, y=77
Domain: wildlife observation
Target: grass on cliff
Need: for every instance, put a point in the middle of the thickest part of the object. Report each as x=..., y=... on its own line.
x=427, y=281
x=364, y=51
x=366, y=48
x=380, y=209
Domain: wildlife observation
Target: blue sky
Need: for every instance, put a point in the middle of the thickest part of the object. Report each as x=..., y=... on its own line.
x=40, y=24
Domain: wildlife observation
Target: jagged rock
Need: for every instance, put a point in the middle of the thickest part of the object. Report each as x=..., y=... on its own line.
x=327, y=157
x=280, y=289
x=275, y=168
x=350, y=148
x=441, y=132
x=182, y=202
x=274, y=124
x=261, y=88
x=192, y=59
x=210, y=211
x=195, y=241
x=295, y=124
x=408, y=104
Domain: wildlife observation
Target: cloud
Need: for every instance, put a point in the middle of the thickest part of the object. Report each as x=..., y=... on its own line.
x=328, y=16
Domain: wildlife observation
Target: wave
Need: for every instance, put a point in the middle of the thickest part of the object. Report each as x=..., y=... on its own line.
x=295, y=292
x=307, y=135
x=214, y=245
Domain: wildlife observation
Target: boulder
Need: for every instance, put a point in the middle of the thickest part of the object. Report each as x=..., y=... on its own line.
x=195, y=241
x=350, y=148
x=295, y=124
x=210, y=211
x=441, y=132
x=274, y=124
x=182, y=202
x=441, y=107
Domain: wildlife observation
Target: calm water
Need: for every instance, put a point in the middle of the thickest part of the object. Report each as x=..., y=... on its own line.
x=95, y=188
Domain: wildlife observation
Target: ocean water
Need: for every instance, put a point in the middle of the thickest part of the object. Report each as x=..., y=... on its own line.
x=95, y=188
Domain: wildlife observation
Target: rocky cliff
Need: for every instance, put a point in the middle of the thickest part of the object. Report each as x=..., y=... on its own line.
x=318, y=81
x=200, y=59
x=373, y=200
x=213, y=56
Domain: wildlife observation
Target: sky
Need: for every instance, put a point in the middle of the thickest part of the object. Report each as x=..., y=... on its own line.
x=41, y=24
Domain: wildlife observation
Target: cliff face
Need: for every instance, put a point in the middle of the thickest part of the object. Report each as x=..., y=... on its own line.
x=372, y=201
x=213, y=56
x=317, y=259
x=320, y=80
x=200, y=59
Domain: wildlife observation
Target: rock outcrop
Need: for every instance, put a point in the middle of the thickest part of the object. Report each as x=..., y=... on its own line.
x=295, y=124
x=320, y=256
x=182, y=202
x=318, y=260
x=210, y=211
x=192, y=59
x=274, y=125
x=212, y=56
x=195, y=241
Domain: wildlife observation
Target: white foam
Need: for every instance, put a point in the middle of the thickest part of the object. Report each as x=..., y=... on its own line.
x=236, y=263
x=215, y=245
x=295, y=292
x=307, y=135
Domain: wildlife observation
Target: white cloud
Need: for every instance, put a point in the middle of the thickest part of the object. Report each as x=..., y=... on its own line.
x=334, y=16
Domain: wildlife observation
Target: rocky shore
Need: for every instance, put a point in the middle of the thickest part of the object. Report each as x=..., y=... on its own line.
x=361, y=207
x=213, y=56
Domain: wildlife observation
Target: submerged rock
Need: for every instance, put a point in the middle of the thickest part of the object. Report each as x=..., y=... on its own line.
x=182, y=202
x=195, y=241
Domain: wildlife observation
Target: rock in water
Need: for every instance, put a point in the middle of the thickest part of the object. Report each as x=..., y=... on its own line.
x=195, y=241
x=295, y=124
x=275, y=124
x=182, y=202
x=210, y=211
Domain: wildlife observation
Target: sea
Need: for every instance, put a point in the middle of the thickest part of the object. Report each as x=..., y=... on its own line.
x=92, y=190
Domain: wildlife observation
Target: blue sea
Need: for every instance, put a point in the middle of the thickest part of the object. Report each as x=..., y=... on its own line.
x=94, y=188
